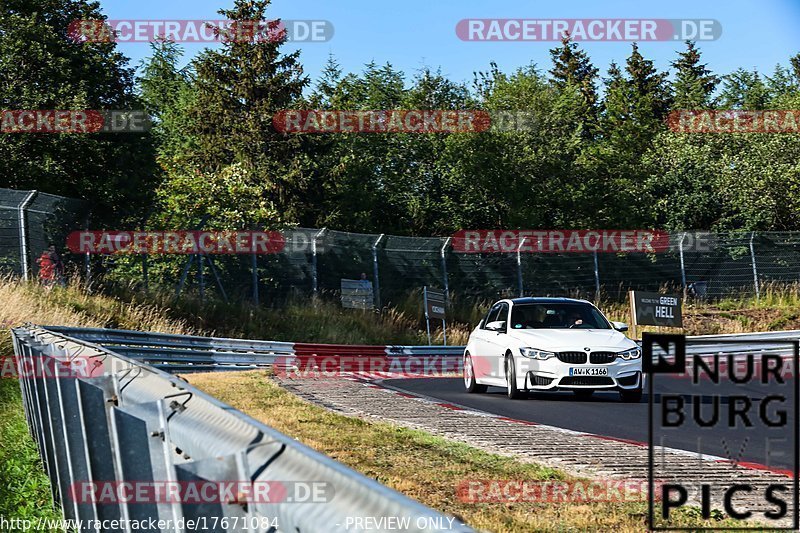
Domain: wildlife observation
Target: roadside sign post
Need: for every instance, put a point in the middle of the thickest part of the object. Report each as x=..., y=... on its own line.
x=654, y=309
x=435, y=303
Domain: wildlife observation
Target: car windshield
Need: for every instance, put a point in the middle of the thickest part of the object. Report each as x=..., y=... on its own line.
x=566, y=315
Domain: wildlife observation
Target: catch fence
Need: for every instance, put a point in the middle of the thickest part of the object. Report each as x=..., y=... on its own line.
x=315, y=261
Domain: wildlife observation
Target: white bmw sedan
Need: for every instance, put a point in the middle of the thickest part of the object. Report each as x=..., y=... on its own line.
x=546, y=344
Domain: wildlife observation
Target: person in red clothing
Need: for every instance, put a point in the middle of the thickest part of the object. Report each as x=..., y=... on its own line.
x=51, y=269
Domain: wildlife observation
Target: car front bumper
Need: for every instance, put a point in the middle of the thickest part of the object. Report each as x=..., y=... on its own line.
x=554, y=374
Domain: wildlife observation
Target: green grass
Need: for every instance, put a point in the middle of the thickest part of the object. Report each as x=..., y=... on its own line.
x=24, y=487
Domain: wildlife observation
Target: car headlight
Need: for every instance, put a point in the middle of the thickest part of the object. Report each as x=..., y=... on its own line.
x=533, y=353
x=633, y=353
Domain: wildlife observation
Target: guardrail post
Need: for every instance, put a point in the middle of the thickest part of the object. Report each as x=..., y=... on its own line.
x=444, y=270
x=596, y=278
x=375, y=270
x=519, y=268
x=23, y=234
x=753, y=261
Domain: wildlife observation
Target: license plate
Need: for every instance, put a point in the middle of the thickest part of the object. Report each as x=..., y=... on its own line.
x=588, y=371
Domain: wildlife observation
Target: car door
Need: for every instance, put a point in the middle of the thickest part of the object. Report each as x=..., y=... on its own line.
x=482, y=359
x=496, y=343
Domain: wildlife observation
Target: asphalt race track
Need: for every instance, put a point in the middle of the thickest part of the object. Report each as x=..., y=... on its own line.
x=605, y=415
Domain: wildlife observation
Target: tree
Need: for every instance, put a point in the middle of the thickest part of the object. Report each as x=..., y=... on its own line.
x=524, y=177
x=43, y=67
x=165, y=90
x=782, y=88
x=228, y=121
x=635, y=106
x=573, y=71
x=744, y=89
x=649, y=87
x=694, y=84
x=358, y=174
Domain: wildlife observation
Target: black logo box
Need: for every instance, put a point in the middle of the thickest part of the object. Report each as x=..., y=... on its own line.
x=678, y=366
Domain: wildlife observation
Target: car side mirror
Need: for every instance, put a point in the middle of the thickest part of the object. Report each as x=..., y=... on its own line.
x=620, y=326
x=497, y=325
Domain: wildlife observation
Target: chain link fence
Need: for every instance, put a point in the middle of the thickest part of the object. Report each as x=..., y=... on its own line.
x=31, y=221
x=314, y=261
x=708, y=265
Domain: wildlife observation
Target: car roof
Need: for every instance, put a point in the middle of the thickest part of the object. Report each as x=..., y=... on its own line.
x=546, y=300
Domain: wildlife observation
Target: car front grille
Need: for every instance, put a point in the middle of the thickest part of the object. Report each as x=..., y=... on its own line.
x=586, y=381
x=573, y=358
x=602, y=358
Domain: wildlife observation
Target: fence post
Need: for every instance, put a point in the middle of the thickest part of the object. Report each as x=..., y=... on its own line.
x=254, y=277
x=87, y=260
x=375, y=270
x=520, y=284
x=145, y=277
x=683, y=265
x=444, y=269
x=201, y=278
x=596, y=278
x=23, y=234
x=753, y=260
x=314, y=279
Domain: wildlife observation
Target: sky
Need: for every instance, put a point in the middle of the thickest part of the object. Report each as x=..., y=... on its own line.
x=413, y=34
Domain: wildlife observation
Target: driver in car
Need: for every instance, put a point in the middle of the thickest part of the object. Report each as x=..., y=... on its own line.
x=575, y=320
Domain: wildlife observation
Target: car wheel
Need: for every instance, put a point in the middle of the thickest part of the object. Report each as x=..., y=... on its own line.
x=583, y=394
x=511, y=381
x=469, y=377
x=631, y=395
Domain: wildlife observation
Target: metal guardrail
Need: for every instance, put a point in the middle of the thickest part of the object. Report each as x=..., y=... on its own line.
x=182, y=353
x=194, y=353
x=130, y=422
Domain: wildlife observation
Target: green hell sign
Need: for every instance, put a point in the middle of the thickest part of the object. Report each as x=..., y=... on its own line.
x=654, y=309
